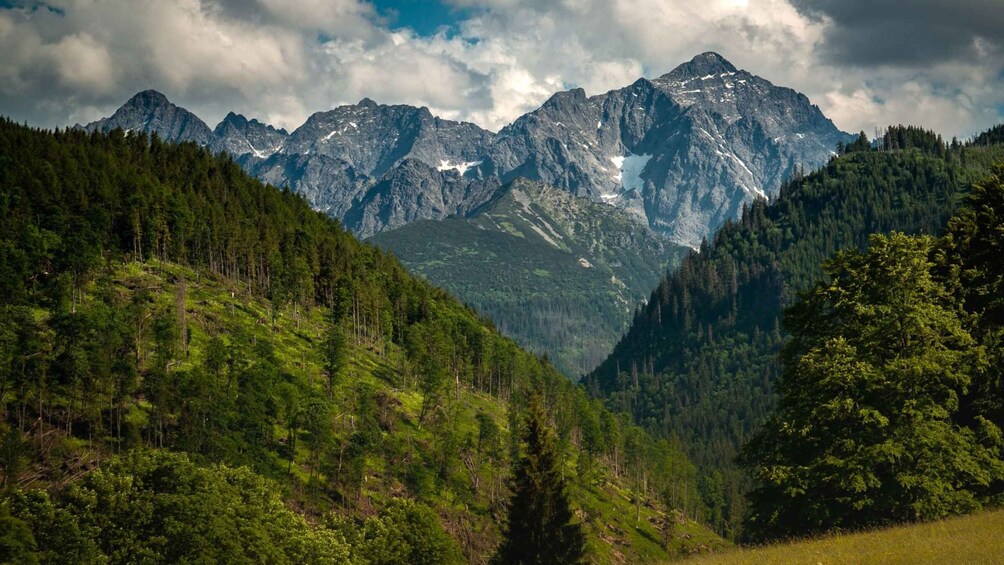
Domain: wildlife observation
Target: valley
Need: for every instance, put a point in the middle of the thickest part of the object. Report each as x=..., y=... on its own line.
x=542, y=264
x=555, y=290
x=668, y=156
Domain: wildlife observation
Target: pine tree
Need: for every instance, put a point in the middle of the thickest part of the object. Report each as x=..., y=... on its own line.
x=540, y=529
x=335, y=352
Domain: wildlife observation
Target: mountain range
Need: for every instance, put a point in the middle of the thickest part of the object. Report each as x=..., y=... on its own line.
x=643, y=171
x=682, y=153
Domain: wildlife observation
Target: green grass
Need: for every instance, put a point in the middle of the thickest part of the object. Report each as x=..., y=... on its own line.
x=974, y=539
x=621, y=532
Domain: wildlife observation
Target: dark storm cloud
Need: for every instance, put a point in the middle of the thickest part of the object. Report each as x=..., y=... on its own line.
x=907, y=32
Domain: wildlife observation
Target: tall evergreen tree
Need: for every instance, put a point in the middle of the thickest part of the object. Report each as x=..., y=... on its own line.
x=540, y=529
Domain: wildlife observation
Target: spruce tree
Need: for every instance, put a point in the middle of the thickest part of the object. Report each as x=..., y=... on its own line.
x=540, y=529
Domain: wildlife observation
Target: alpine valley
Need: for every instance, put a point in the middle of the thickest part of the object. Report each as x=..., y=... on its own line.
x=628, y=327
x=679, y=154
x=542, y=264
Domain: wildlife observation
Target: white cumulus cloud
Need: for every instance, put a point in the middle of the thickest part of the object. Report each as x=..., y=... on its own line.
x=77, y=60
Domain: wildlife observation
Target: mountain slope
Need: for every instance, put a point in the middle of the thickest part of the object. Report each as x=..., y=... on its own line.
x=543, y=265
x=682, y=152
x=154, y=296
x=699, y=361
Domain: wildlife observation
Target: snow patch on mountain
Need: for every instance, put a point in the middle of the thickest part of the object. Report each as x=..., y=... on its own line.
x=445, y=165
x=627, y=174
x=631, y=169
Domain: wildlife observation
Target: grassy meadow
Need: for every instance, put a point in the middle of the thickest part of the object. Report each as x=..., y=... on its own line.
x=971, y=540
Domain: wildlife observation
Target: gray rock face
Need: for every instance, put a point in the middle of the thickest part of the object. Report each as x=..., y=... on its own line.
x=239, y=136
x=150, y=111
x=375, y=138
x=378, y=167
x=681, y=153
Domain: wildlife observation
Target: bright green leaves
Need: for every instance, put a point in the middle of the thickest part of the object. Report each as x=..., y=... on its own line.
x=155, y=506
x=404, y=533
x=872, y=376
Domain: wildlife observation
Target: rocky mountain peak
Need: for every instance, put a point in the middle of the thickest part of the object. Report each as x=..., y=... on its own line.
x=681, y=153
x=240, y=122
x=148, y=99
x=708, y=63
x=559, y=99
x=240, y=136
x=151, y=112
x=231, y=121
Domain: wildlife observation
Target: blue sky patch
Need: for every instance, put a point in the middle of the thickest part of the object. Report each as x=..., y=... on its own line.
x=426, y=17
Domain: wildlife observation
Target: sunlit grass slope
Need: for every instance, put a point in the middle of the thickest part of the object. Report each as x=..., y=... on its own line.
x=975, y=539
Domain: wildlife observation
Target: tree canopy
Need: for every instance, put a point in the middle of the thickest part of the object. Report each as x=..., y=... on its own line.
x=864, y=431
x=890, y=397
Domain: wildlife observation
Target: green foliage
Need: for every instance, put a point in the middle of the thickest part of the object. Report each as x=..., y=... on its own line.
x=335, y=352
x=993, y=136
x=405, y=533
x=864, y=431
x=969, y=259
x=208, y=321
x=539, y=529
x=17, y=544
x=154, y=506
x=909, y=137
x=700, y=359
x=57, y=531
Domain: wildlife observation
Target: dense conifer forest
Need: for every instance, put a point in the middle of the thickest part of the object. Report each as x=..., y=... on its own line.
x=700, y=361
x=178, y=340
x=891, y=402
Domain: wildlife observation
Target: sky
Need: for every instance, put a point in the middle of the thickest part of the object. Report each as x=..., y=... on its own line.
x=865, y=63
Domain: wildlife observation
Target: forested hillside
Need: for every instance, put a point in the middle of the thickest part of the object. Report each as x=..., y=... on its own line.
x=177, y=338
x=700, y=360
x=559, y=274
x=891, y=403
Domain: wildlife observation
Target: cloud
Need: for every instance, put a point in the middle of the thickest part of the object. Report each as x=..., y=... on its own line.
x=926, y=62
x=918, y=32
x=77, y=60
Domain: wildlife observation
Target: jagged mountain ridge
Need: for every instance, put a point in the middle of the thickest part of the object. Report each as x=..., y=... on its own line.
x=682, y=152
x=239, y=136
x=542, y=263
x=151, y=112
